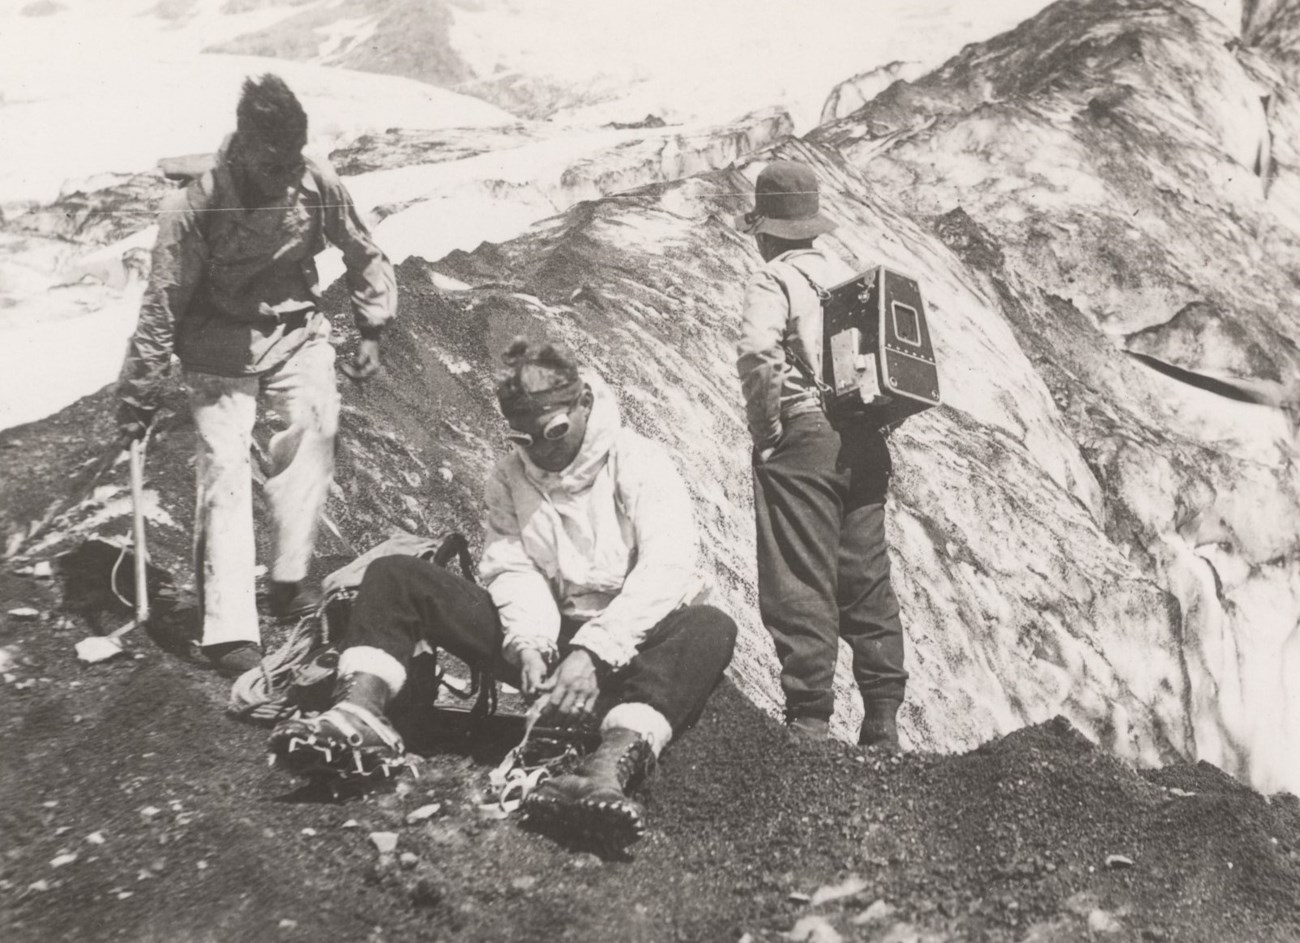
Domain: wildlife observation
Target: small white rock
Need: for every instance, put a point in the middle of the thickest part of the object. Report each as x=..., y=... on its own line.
x=386, y=842
x=351, y=823
x=1119, y=861
x=813, y=929
x=60, y=860
x=445, y=473
x=95, y=838
x=1099, y=921
x=849, y=887
x=287, y=924
x=123, y=895
x=408, y=859
x=880, y=910
x=309, y=832
x=150, y=811
x=39, y=887
x=423, y=812
x=42, y=570
x=798, y=897
x=26, y=613
x=201, y=865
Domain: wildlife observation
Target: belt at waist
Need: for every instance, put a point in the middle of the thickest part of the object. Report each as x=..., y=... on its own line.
x=810, y=402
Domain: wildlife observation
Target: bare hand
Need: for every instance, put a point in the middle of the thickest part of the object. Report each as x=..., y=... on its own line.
x=532, y=674
x=763, y=452
x=133, y=422
x=365, y=363
x=575, y=687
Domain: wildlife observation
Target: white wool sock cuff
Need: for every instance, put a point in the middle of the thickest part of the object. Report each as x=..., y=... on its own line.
x=643, y=719
x=373, y=661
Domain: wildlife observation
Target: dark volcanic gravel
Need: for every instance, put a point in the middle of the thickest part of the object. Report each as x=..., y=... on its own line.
x=200, y=841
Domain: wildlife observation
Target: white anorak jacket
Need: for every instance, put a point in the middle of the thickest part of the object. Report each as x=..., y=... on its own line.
x=609, y=541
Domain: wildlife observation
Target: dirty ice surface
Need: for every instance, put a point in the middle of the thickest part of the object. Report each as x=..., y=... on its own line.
x=113, y=85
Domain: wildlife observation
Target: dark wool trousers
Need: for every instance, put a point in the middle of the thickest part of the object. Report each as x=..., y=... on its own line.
x=404, y=599
x=823, y=565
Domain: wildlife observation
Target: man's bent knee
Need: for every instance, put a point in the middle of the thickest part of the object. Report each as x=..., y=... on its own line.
x=399, y=570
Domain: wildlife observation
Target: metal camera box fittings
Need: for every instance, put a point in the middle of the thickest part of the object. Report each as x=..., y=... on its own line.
x=879, y=360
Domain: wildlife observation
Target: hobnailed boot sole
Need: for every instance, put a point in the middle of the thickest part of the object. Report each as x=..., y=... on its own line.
x=604, y=816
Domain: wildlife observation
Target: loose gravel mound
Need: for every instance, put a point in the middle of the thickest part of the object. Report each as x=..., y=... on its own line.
x=135, y=811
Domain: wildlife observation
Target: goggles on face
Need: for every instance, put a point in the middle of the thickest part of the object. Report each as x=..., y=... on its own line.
x=557, y=428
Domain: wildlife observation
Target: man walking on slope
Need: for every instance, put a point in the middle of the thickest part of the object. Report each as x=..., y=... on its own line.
x=589, y=572
x=234, y=292
x=819, y=488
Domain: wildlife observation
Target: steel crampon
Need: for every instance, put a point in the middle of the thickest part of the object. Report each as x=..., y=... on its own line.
x=307, y=749
x=529, y=764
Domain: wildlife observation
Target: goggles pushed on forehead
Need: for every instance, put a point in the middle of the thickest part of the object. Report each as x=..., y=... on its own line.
x=557, y=428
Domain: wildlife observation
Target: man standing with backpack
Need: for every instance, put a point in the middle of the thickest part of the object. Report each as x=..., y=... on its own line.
x=819, y=486
x=234, y=293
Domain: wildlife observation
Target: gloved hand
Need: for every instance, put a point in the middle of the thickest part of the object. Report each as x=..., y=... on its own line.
x=365, y=363
x=133, y=421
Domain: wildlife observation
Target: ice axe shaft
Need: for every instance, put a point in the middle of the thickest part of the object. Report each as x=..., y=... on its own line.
x=102, y=647
x=137, y=532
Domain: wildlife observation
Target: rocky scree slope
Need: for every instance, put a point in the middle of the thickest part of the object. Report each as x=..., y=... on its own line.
x=184, y=833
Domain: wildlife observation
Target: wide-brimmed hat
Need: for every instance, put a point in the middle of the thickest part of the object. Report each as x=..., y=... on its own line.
x=786, y=204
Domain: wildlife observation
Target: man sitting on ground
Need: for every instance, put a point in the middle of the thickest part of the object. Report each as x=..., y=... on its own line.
x=588, y=602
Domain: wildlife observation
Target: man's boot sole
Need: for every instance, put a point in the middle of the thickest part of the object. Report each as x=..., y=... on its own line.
x=619, y=822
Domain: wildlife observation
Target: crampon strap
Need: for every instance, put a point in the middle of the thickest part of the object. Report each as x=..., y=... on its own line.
x=520, y=773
